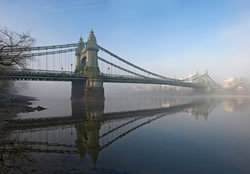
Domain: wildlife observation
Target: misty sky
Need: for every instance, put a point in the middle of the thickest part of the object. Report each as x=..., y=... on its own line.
x=170, y=37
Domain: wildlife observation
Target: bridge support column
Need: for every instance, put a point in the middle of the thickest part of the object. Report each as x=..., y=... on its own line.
x=94, y=89
x=204, y=91
x=77, y=89
x=90, y=90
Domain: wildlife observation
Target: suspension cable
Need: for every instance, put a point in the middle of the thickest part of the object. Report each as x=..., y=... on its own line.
x=71, y=64
x=131, y=64
x=53, y=61
x=128, y=71
x=46, y=60
x=41, y=47
x=49, y=53
x=39, y=63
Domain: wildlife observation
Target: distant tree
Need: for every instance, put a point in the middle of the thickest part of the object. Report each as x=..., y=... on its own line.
x=13, y=47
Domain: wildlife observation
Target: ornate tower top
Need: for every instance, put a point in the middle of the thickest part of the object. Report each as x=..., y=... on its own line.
x=80, y=47
x=92, y=35
x=92, y=44
x=81, y=39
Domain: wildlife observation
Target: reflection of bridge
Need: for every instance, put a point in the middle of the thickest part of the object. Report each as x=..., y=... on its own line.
x=90, y=131
x=91, y=68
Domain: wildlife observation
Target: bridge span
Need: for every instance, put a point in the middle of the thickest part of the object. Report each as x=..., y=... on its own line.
x=49, y=75
x=92, y=68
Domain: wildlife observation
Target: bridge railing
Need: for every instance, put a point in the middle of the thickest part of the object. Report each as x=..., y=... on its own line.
x=41, y=72
x=135, y=79
x=138, y=77
x=122, y=76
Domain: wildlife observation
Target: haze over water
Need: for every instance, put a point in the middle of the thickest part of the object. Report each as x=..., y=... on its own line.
x=162, y=134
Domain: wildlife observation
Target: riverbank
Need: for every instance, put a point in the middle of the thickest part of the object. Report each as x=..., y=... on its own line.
x=11, y=105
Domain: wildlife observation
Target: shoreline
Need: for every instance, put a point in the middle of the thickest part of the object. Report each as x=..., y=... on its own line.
x=11, y=105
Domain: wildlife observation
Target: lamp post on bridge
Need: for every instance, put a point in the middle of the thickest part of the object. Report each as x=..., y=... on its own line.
x=109, y=71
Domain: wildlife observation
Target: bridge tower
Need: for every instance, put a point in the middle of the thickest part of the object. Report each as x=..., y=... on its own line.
x=206, y=82
x=94, y=82
x=206, y=78
x=89, y=53
x=87, y=66
x=79, y=49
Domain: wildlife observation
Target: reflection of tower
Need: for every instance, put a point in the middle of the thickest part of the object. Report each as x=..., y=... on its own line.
x=87, y=141
x=93, y=127
x=202, y=108
x=81, y=133
x=236, y=104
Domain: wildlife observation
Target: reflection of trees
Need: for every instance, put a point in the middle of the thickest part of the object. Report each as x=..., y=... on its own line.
x=13, y=158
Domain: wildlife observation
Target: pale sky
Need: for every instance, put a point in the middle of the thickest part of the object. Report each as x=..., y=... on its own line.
x=170, y=37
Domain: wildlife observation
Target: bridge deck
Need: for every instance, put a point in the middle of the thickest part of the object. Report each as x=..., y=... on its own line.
x=130, y=79
x=42, y=75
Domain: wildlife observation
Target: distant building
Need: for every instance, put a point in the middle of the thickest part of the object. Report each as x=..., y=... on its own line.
x=238, y=84
x=230, y=83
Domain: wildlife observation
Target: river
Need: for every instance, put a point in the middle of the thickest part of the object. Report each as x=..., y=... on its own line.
x=127, y=133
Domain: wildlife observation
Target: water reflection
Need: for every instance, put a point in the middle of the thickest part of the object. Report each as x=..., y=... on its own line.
x=236, y=104
x=89, y=130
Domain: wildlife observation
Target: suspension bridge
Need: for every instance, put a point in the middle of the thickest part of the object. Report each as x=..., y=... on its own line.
x=58, y=63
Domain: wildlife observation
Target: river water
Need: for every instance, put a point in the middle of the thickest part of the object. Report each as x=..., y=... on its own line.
x=137, y=133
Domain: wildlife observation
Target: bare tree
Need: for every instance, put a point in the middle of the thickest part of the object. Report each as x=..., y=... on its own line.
x=14, y=48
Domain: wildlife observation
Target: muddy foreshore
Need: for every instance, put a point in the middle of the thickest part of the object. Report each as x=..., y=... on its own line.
x=11, y=105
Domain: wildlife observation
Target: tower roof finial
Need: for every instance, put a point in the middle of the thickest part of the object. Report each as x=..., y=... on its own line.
x=92, y=35
x=81, y=39
x=80, y=46
x=92, y=31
